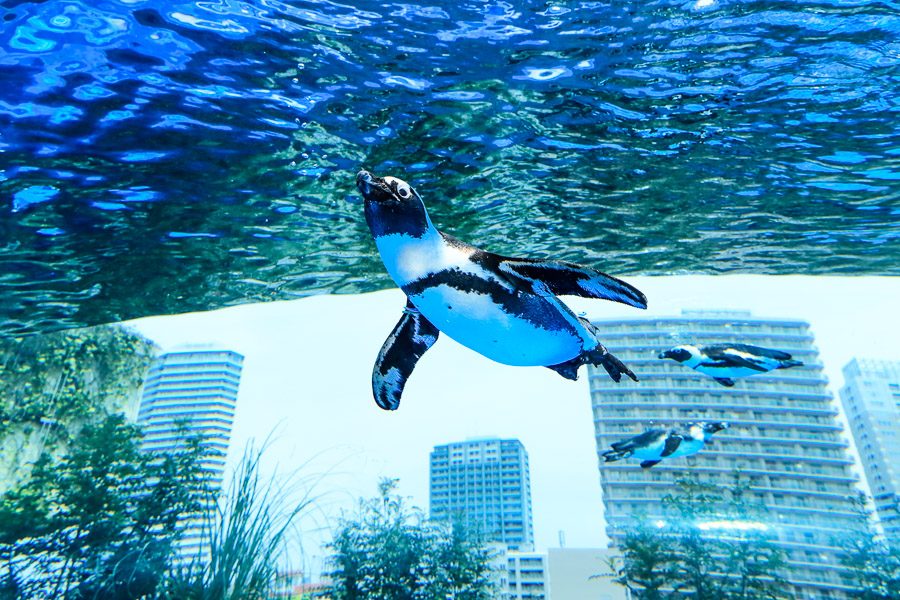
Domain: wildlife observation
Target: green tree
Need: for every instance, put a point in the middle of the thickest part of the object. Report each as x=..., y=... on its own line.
x=388, y=551
x=710, y=545
x=100, y=521
x=872, y=562
x=649, y=565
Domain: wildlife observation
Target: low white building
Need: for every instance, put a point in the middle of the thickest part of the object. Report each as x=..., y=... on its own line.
x=527, y=576
x=582, y=573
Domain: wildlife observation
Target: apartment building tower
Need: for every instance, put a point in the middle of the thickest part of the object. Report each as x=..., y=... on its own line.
x=871, y=398
x=192, y=391
x=784, y=439
x=485, y=482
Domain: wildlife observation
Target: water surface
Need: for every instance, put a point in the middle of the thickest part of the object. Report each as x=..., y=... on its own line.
x=160, y=157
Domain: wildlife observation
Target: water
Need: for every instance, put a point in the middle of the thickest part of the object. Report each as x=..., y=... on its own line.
x=160, y=157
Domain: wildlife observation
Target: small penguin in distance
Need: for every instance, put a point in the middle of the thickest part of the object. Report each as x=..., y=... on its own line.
x=656, y=444
x=504, y=308
x=725, y=362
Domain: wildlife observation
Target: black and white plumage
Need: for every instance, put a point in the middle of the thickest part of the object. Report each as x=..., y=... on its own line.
x=504, y=308
x=725, y=362
x=656, y=444
x=406, y=344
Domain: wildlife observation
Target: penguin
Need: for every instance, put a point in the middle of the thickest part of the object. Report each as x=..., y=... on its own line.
x=504, y=308
x=655, y=445
x=724, y=362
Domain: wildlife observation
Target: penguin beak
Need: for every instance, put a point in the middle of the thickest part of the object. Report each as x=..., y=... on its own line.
x=371, y=187
x=664, y=354
x=364, y=180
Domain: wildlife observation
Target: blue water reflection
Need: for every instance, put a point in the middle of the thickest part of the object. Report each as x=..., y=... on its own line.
x=634, y=137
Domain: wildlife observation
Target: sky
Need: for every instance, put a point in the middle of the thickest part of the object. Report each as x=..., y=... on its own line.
x=306, y=391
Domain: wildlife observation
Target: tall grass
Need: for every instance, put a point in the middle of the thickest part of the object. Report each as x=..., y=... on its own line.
x=246, y=534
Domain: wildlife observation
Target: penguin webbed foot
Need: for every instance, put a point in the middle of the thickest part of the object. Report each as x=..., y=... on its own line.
x=599, y=356
x=614, y=455
x=615, y=367
x=568, y=369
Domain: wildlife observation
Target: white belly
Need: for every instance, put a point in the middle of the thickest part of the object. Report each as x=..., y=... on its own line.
x=475, y=321
x=688, y=447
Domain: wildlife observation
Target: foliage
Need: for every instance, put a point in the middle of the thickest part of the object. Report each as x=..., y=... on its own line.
x=389, y=551
x=246, y=535
x=872, y=562
x=100, y=521
x=95, y=517
x=649, y=565
x=709, y=546
x=69, y=375
x=52, y=385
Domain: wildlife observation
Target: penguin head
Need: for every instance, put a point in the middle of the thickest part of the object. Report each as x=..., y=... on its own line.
x=392, y=206
x=680, y=353
x=710, y=427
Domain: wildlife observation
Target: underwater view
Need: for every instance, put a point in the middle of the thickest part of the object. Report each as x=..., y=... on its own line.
x=160, y=157
x=465, y=300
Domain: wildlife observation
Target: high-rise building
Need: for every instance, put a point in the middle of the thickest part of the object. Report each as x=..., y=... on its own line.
x=192, y=391
x=871, y=397
x=784, y=438
x=485, y=482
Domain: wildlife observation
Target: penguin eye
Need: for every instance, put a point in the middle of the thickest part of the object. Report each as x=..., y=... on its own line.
x=403, y=190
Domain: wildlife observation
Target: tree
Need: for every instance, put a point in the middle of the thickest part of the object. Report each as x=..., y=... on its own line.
x=872, y=562
x=100, y=521
x=388, y=551
x=83, y=512
x=648, y=566
x=710, y=545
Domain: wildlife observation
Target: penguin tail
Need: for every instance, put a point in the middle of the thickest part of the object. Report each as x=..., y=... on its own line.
x=787, y=364
x=614, y=455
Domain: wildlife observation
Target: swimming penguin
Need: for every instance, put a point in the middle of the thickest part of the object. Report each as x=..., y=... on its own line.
x=724, y=362
x=504, y=308
x=655, y=445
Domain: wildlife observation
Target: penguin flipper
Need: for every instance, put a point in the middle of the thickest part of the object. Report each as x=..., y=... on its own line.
x=740, y=359
x=672, y=443
x=646, y=438
x=411, y=338
x=725, y=381
x=648, y=463
x=747, y=349
x=569, y=279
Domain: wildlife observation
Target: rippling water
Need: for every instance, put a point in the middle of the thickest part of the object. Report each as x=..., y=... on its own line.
x=161, y=157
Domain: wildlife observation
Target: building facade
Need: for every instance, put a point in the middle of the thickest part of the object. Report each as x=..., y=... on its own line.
x=527, y=575
x=784, y=439
x=580, y=573
x=485, y=482
x=193, y=392
x=871, y=398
